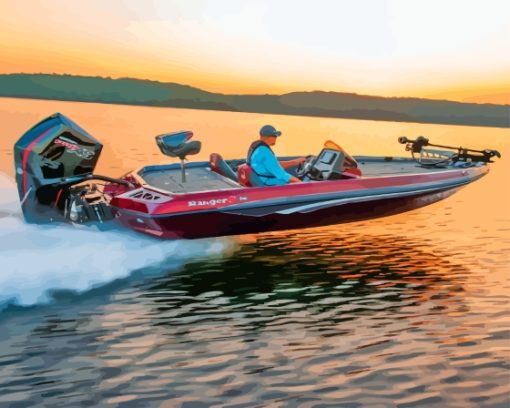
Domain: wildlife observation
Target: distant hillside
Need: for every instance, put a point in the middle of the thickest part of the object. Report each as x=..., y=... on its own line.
x=317, y=103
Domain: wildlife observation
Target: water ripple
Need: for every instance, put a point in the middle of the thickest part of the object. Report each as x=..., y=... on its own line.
x=319, y=319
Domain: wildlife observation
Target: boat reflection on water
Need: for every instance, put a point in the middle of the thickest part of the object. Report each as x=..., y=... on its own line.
x=279, y=275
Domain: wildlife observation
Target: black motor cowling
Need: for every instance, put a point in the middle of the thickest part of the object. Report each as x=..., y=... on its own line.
x=49, y=158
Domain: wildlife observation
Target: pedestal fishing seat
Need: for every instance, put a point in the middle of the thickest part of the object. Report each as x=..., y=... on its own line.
x=176, y=144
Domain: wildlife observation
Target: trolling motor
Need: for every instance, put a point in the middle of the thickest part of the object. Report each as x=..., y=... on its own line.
x=438, y=158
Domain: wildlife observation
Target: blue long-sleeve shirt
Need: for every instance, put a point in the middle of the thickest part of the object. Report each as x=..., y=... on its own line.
x=264, y=162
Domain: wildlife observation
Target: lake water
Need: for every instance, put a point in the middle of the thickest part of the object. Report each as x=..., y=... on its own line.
x=410, y=310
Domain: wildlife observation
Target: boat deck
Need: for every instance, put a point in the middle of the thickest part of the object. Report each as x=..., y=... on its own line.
x=374, y=167
x=199, y=177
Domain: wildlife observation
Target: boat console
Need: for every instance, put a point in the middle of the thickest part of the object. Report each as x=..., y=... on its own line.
x=333, y=163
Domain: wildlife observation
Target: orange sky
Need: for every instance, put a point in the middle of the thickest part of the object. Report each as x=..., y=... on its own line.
x=457, y=50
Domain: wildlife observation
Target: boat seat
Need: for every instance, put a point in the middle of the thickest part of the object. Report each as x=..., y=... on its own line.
x=247, y=177
x=220, y=166
x=176, y=144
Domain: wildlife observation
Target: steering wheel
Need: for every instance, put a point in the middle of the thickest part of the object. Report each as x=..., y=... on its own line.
x=307, y=169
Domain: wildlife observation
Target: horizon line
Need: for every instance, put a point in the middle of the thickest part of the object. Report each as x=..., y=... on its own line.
x=252, y=94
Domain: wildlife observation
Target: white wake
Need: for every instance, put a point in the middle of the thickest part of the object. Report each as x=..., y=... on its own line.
x=37, y=259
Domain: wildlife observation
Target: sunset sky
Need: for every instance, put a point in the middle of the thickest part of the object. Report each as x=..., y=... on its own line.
x=451, y=49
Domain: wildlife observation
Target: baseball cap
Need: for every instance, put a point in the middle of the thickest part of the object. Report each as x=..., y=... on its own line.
x=269, y=130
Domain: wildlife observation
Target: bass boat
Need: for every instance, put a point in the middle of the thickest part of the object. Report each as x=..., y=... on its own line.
x=56, y=158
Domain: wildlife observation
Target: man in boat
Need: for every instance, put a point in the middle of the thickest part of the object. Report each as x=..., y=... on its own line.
x=264, y=163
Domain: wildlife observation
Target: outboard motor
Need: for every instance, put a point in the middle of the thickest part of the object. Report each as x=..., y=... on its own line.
x=49, y=158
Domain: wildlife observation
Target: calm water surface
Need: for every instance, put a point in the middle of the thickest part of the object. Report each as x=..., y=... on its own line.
x=408, y=311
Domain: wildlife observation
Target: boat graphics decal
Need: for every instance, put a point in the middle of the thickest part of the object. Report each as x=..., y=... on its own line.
x=215, y=201
x=331, y=203
x=72, y=147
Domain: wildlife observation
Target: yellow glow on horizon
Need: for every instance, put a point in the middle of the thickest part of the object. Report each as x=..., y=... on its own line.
x=372, y=47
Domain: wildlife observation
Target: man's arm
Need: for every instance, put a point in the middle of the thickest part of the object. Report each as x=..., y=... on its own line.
x=291, y=163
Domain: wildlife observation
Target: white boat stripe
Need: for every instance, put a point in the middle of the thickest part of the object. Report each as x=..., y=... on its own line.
x=343, y=201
